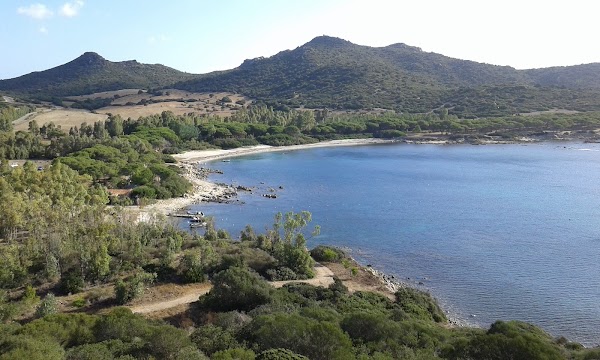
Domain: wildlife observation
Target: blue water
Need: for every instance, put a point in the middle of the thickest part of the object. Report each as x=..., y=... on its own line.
x=494, y=232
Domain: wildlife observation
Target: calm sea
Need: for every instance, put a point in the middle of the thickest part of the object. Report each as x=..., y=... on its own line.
x=494, y=232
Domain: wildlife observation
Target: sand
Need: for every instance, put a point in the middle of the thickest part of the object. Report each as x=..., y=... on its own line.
x=212, y=155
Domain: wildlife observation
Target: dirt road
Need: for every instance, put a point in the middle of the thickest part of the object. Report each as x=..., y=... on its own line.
x=323, y=277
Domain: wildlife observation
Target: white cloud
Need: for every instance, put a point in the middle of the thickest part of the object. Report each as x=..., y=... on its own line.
x=71, y=9
x=43, y=30
x=36, y=11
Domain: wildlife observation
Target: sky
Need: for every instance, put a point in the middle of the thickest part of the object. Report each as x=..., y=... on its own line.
x=200, y=36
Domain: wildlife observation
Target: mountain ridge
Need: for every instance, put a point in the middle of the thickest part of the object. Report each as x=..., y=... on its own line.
x=335, y=73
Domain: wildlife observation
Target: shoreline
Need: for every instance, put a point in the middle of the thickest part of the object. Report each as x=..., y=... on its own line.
x=207, y=191
x=202, y=156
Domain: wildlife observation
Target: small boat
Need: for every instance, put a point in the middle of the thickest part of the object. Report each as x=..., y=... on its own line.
x=197, y=219
x=226, y=160
x=197, y=225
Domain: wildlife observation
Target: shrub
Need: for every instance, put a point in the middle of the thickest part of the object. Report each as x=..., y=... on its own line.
x=280, y=354
x=126, y=291
x=419, y=304
x=237, y=289
x=25, y=347
x=48, y=306
x=71, y=282
x=79, y=303
x=318, y=340
x=144, y=192
x=327, y=254
x=191, y=269
x=281, y=273
x=234, y=354
x=210, y=338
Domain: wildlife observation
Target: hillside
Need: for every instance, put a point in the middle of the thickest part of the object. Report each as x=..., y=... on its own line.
x=337, y=74
x=334, y=73
x=91, y=73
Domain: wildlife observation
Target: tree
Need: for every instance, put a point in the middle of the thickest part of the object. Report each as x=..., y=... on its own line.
x=34, y=128
x=114, y=125
x=48, y=306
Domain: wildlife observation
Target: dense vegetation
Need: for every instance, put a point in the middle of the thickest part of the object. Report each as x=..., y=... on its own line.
x=91, y=73
x=333, y=73
x=10, y=113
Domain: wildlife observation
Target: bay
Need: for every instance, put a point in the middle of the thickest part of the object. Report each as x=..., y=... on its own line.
x=495, y=232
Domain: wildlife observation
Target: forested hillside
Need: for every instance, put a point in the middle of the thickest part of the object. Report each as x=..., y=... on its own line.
x=333, y=73
x=91, y=73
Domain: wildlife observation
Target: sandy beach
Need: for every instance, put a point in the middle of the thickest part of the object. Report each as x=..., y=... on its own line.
x=211, y=155
x=204, y=190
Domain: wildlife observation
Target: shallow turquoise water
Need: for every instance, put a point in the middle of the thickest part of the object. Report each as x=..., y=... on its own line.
x=494, y=232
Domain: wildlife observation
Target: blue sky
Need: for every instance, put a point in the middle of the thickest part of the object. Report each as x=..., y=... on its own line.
x=202, y=36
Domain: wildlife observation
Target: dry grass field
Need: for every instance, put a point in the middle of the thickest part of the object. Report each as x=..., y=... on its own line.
x=178, y=101
x=63, y=118
x=129, y=103
x=105, y=94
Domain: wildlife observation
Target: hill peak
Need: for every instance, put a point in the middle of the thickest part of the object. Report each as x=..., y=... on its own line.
x=90, y=58
x=328, y=41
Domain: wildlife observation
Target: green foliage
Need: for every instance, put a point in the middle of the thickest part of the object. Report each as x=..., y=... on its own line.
x=90, y=73
x=507, y=340
x=71, y=282
x=133, y=287
x=47, y=306
x=21, y=347
x=333, y=73
x=163, y=342
x=8, y=309
x=280, y=354
x=419, y=304
x=9, y=113
x=90, y=352
x=191, y=268
x=308, y=337
x=234, y=354
x=327, y=253
x=210, y=339
x=237, y=288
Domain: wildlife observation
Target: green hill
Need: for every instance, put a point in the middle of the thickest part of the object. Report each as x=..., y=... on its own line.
x=334, y=73
x=91, y=73
x=337, y=74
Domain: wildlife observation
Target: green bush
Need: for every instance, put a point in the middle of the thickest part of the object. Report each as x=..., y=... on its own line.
x=71, y=282
x=79, y=303
x=49, y=305
x=507, y=340
x=210, y=338
x=318, y=340
x=419, y=304
x=25, y=347
x=133, y=287
x=237, y=289
x=327, y=254
x=281, y=273
x=280, y=354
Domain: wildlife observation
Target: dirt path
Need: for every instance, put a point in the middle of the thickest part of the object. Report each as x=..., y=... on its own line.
x=187, y=298
x=323, y=277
